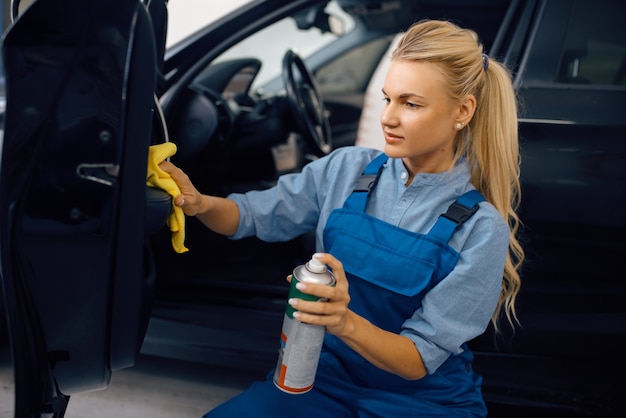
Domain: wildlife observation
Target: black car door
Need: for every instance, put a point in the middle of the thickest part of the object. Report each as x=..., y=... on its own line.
x=570, y=62
x=74, y=207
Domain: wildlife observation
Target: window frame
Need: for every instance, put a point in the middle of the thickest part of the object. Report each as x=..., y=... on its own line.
x=543, y=98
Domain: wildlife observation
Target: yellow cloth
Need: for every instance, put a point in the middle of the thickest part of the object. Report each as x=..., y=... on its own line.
x=158, y=178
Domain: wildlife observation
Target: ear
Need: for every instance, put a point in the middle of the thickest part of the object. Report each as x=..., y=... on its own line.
x=466, y=109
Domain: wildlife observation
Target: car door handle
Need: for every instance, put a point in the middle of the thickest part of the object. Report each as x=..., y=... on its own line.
x=102, y=173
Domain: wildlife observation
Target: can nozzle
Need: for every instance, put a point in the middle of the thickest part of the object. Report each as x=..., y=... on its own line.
x=315, y=265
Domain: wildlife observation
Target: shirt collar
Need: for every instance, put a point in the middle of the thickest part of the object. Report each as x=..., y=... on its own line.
x=400, y=173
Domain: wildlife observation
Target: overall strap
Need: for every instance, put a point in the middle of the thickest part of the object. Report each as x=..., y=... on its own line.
x=365, y=184
x=458, y=212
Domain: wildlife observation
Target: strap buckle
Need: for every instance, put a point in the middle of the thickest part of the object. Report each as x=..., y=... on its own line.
x=458, y=213
x=365, y=183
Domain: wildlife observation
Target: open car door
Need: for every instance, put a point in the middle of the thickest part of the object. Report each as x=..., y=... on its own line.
x=75, y=212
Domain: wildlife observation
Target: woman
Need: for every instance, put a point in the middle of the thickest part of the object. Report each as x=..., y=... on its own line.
x=412, y=286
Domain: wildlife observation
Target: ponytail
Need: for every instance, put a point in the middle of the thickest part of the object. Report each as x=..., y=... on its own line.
x=489, y=142
x=492, y=150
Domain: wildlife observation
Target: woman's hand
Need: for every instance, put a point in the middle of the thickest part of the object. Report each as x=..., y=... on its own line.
x=190, y=199
x=333, y=314
x=389, y=351
x=216, y=213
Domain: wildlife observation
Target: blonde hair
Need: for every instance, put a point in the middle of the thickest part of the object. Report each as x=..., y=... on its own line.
x=490, y=141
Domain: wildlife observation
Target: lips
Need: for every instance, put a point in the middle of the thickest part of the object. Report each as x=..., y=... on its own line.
x=391, y=138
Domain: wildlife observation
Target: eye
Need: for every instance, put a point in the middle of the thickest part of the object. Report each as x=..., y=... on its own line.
x=386, y=100
x=412, y=105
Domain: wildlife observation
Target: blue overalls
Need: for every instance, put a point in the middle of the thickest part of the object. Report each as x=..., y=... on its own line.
x=389, y=270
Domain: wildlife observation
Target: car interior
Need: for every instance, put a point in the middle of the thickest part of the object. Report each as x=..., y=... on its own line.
x=235, y=133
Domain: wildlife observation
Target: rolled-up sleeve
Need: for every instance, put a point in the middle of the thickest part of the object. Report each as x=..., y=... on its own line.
x=283, y=212
x=300, y=202
x=460, y=307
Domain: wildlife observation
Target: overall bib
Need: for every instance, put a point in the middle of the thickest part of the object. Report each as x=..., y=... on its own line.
x=389, y=270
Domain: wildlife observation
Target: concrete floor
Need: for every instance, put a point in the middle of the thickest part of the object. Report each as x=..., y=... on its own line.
x=154, y=387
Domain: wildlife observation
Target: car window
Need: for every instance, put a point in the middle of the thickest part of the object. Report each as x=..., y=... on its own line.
x=351, y=72
x=574, y=68
x=270, y=44
x=187, y=16
x=588, y=47
x=593, y=53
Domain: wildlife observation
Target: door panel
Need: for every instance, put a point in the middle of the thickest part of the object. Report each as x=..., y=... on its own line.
x=75, y=268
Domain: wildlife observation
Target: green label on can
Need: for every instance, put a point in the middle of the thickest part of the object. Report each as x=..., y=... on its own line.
x=295, y=293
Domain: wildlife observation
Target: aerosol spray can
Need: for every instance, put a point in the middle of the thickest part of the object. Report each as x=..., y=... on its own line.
x=300, y=343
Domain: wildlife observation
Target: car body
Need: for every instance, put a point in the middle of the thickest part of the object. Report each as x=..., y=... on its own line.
x=224, y=102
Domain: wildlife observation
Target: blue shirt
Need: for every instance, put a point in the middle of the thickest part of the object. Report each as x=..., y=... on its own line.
x=459, y=307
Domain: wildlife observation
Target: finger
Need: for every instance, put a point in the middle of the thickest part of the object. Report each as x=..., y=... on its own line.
x=311, y=307
x=324, y=315
x=167, y=166
x=179, y=176
x=318, y=290
x=331, y=261
x=337, y=268
x=309, y=318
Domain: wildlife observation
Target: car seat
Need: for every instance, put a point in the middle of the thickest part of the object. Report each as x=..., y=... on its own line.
x=369, y=132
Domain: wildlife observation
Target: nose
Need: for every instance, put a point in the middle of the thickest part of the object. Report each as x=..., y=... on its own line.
x=388, y=116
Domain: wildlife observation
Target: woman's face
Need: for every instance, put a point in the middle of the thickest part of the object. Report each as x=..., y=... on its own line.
x=419, y=117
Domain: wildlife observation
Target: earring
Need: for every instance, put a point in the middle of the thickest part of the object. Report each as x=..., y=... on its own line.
x=459, y=125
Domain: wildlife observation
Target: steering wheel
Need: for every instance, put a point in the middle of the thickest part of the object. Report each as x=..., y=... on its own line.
x=305, y=104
